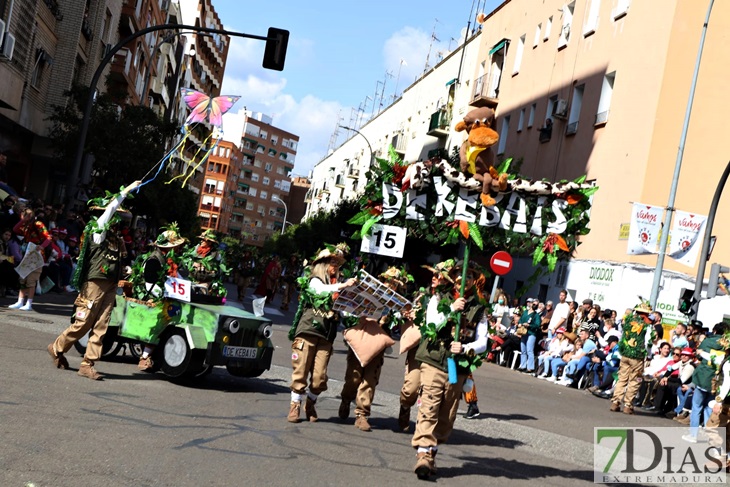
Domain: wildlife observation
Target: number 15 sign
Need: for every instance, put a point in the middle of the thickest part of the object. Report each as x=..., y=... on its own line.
x=385, y=240
x=177, y=289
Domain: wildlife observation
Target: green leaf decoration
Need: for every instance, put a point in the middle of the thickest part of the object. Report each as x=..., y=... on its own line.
x=360, y=218
x=580, y=180
x=368, y=225
x=475, y=234
x=552, y=259
x=538, y=255
x=504, y=167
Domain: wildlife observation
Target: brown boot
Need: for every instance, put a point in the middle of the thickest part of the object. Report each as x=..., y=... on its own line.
x=58, y=359
x=294, y=411
x=310, y=411
x=615, y=407
x=88, y=371
x=344, y=411
x=361, y=423
x=424, y=465
x=628, y=409
x=145, y=364
x=404, y=419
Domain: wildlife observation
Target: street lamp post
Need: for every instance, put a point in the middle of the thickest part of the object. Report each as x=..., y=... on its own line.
x=675, y=179
x=286, y=210
x=276, y=45
x=372, y=154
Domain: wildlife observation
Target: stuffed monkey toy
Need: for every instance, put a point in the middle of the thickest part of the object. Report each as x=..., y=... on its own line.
x=476, y=155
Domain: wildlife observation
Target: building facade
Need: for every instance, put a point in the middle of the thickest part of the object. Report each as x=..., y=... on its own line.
x=264, y=181
x=612, y=79
x=218, y=210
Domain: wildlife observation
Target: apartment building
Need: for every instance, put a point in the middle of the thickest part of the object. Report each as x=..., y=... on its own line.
x=264, y=181
x=45, y=47
x=612, y=78
x=219, y=209
x=295, y=203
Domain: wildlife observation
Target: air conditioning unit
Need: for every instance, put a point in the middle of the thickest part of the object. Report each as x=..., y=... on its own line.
x=2, y=31
x=560, y=109
x=8, y=47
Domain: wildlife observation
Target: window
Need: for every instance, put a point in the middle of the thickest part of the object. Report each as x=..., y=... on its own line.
x=521, y=120
x=266, y=180
x=254, y=177
x=604, y=103
x=261, y=209
x=538, y=30
x=531, y=119
x=548, y=28
x=274, y=139
x=277, y=184
x=575, y=107
x=518, y=54
x=622, y=8
x=592, y=19
x=264, y=134
x=567, y=23
x=42, y=59
x=503, y=135
x=552, y=102
x=257, y=163
x=264, y=195
x=249, y=206
x=268, y=167
x=279, y=170
x=252, y=191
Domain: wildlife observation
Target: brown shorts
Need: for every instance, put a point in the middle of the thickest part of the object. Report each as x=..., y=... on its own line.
x=31, y=279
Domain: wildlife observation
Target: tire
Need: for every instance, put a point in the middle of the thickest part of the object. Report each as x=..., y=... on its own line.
x=248, y=372
x=175, y=354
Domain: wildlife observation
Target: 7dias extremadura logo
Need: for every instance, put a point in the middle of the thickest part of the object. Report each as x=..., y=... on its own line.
x=658, y=455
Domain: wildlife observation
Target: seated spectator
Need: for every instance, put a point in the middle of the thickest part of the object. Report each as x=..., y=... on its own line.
x=652, y=374
x=562, y=361
x=609, y=330
x=684, y=391
x=512, y=342
x=580, y=360
x=605, y=363
x=678, y=336
x=557, y=347
x=676, y=373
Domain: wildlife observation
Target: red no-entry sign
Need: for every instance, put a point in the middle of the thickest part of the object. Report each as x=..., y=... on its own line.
x=501, y=263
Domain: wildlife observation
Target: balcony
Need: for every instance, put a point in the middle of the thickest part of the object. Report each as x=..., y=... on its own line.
x=353, y=173
x=308, y=197
x=483, y=96
x=158, y=87
x=440, y=121
x=340, y=181
x=399, y=143
x=168, y=49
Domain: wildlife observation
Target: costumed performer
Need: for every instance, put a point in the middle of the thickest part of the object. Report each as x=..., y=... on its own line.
x=158, y=266
x=206, y=262
x=439, y=399
x=314, y=329
x=96, y=277
x=441, y=282
x=362, y=372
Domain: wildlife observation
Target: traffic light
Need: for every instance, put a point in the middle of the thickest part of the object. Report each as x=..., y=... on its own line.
x=686, y=300
x=275, y=50
x=717, y=279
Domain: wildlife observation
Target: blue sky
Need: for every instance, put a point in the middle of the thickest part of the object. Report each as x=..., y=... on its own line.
x=338, y=52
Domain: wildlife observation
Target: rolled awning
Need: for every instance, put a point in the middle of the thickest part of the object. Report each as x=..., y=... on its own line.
x=498, y=46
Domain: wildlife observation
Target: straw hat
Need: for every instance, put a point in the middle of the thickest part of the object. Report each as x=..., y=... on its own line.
x=169, y=239
x=335, y=256
x=444, y=268
x=395, y=275
x=643, y=307
x=209, y=235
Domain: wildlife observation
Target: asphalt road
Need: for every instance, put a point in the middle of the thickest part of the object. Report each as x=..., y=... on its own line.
x=139, y=429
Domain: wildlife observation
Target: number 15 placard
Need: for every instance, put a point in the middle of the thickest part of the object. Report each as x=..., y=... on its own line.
x=385, y=240
x=177, y=289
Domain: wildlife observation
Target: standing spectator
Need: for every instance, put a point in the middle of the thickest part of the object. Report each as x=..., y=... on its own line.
x=560, y=314
x=585, y=309
x=573, y=320
x=244, y=273
x=531, y=321
x=289, y=276
x=270, y=279
x=32, y=231
x=638, y=331
x=97, y=280
x=658, y=327
x=8, y=261
x=501, y=310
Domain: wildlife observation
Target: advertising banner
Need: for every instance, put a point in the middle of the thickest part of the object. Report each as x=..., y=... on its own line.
x=685, y=240
x=646, y=222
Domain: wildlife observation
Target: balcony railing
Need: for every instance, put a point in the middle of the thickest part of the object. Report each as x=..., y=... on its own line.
x=483, y=96
x=353, y=173
x=440, y=121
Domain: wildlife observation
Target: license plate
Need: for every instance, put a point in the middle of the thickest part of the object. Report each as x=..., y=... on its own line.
x=239, y=352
